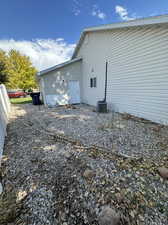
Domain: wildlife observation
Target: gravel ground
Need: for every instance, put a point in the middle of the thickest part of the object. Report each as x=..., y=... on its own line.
x=131, y=137
x=50, y=181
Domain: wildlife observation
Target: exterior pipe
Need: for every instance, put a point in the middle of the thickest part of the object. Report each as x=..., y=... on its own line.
x=105, y=94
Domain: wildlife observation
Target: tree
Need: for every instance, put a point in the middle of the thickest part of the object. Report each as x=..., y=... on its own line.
x=3, y=67
x=21, y=73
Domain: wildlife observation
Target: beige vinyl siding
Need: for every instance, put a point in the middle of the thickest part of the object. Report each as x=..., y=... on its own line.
x=137, y=71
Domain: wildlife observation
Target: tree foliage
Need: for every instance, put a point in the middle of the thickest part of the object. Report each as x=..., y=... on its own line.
x=17, y=71
x=3, y=67
x=21, y=72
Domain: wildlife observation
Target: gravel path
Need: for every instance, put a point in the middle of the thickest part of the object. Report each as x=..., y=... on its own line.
x=48, y=181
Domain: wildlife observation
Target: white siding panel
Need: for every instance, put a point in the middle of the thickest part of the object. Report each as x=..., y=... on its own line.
x=137, y=70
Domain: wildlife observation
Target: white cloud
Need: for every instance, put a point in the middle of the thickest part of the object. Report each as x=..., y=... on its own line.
x=98, y=13
x=76, y=7
x=43, y=53
x=123, y=13
x=76, y=12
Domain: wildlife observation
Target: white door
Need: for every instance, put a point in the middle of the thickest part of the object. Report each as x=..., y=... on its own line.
x=74, y=92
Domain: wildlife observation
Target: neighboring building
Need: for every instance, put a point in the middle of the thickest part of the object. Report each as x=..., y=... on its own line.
x=137, y=80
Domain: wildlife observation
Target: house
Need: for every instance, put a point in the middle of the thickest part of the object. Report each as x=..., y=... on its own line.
x=137, y=76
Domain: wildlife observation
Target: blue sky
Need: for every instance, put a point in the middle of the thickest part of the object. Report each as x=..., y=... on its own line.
x=47, y=30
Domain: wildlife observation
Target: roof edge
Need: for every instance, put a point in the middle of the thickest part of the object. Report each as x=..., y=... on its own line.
x=43, y=72
x=126, y=24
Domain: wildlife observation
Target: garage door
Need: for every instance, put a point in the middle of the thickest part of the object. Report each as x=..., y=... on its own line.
x=138, y=72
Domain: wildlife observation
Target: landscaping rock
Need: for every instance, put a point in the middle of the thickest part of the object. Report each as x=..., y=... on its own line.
x=52, y=187
x=88, y=174
x=39, y=207
x=163, y=172
x=130, y=137
x=67, y=155
x=109, y=217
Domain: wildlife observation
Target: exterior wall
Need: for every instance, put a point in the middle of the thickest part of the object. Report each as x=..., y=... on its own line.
x=137, y=70
x=55, y=83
